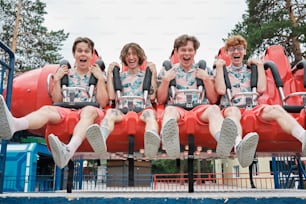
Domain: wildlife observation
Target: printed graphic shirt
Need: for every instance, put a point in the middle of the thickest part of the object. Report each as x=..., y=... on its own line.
x=185, y=80
x=75, y=80
x=240, y=78
x=132, y=85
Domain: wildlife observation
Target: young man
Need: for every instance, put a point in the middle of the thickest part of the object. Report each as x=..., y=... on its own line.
x=239, y=77
x=132, y=56
x=185, y=73
x=79, y=76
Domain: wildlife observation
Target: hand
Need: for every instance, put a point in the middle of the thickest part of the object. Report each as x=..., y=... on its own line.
x=170, y=74
x=61, y=71
x=201, y=73
x=96, y=71
x=257, y=62
x=111, y=68
x=219, y=62
x=152, y=68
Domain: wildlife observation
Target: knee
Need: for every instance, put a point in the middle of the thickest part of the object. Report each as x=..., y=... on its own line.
x=171, y=111
x=148, y=115
x=113, y=114
x=272, y=111
x=89, y=111
x=213, y=109
x=48, y=109
x=233, y=112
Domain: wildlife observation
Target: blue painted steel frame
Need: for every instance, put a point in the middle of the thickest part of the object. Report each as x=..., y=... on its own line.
x=10, y=67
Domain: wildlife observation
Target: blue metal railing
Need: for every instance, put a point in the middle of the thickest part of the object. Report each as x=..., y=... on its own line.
x=6, y=64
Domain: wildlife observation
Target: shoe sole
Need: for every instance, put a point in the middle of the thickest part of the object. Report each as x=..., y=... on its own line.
x=248, y=149
x=170, y=138
x=227, y=138
x=151, y=144
x=5, y=124
x=54, y=144
x=96, y=139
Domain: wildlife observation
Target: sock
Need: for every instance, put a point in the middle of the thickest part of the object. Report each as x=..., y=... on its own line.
x=105, y=132
x=217, y=136
x=74, y=144
x=20, y=124
x=298, y=132
x=237, y=142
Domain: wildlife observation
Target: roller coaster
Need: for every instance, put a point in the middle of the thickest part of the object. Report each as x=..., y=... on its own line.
x=286, y=86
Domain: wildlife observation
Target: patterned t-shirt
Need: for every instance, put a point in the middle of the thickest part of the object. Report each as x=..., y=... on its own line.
x=132, y=85
x=185, y=80
x=75, y=80
x=240, y=79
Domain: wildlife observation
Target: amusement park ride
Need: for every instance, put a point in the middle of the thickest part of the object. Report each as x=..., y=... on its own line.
x=286, y=87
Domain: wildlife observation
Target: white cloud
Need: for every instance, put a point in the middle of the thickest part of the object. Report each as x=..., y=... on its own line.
x=154, y=24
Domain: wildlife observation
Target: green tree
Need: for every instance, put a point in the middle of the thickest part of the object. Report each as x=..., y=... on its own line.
x=271, y=22
x=21, y=28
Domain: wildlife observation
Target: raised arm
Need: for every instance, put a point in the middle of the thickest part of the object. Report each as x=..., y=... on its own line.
x=162, y=91
x=110, y=81
x=152, y=67
x=56, y=93
x=209, y=84
x=101, y=90
x=262, y=79
x=219, y=79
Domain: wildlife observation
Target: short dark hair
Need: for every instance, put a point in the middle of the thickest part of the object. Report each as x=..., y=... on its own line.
x=183, y=39
x=85, y=40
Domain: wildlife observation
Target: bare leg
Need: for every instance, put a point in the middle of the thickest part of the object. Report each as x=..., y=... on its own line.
x=97, y=134
x=88, y=116
x=112, y=116
x=214, y=118
x=170, y=132
x=234, y=114
x=42, y=116
x=151, y=137
x=277, y=113
x=62, y=153
x=148, y=116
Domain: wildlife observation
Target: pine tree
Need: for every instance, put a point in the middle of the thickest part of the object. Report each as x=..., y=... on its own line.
x=22, y=30
x=275, y=22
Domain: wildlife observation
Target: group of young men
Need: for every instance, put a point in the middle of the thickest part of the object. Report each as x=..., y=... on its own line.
x=96, y=125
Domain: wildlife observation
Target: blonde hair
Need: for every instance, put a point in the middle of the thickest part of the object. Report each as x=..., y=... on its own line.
x=234, y=41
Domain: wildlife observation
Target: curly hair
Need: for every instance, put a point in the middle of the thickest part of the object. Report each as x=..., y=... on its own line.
x=135, y=47
x=234, y=41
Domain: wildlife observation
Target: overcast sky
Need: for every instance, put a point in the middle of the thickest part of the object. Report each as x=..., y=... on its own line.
x=154, y=24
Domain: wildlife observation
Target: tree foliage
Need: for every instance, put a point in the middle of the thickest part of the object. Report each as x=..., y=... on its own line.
x=21, y=28
x=275, y=22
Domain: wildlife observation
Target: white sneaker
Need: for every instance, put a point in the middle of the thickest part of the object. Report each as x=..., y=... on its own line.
x=151, y=143
x=227, y=138
x=60, y=151
x=246, y=149
x=6, y=121
x=170, y=138
x=304, y=145
x=96, y=139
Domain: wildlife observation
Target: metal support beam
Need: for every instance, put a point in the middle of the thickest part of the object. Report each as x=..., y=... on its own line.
x=70, y=176
x=190, y=163
x=131, y=161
